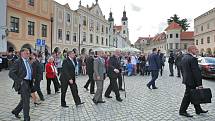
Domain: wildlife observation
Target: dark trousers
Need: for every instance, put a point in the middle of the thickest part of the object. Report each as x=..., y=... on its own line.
x=119, y=77
x=154, y=77
x=56, y=84
x=186, y=101
x=161, y=70
x=25, y=92
x=138, y=68
x=171, y=69
x=38, y=89
x=179, y=71
x=91, y=82
x=74, y=90
x=113, y=87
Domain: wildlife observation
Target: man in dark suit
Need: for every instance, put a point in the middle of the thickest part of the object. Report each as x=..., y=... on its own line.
x=171, y=62
x=154, y=66
x=113, y=72
x=90, y=81
x=192, y=80
x=178, y=63
x=67, y=77
x=21, y=73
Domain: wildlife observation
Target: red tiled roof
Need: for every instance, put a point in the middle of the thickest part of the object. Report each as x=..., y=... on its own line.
x=143, y=38
x=118, y=28
x=159, y=37
x=187, y=35
x=173, y=26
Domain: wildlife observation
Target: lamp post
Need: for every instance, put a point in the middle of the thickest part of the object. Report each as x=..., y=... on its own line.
x=51, y=31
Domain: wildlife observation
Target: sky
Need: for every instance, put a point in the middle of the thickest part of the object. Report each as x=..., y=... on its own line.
x=148, y=17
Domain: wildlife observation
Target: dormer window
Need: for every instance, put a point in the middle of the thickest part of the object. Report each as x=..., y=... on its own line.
x=31, y=2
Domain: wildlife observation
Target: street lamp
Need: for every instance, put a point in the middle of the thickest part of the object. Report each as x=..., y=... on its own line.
x=51, y=31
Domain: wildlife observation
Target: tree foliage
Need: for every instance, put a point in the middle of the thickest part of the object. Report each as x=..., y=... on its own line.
x=182, y=22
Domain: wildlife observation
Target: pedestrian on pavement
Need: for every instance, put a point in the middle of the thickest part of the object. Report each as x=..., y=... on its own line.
x=192, y=79
x=89, y=69
x=51, y=75
x=114, y=68
x=171, y=62
x=99, y=76
x=161, y=57
x=21, y=73
x=37, y=74
x=178, y=63
x=68, y=78
x=154, y=66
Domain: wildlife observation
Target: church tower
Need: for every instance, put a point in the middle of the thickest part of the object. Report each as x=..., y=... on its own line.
x=111, y=32
x=125, y=31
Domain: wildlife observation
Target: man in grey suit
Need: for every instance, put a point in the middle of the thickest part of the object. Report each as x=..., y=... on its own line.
x=99, y=76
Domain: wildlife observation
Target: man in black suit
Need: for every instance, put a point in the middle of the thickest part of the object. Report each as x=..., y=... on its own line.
x=192, y=80
x=178, y=63
x=67, y=77
x=21, y=73
x=90, y=81
x=114, y=68
x=171, y=62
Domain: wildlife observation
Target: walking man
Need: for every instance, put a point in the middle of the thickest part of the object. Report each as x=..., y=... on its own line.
x=99, y=76
x=171, y=63
x=67, y=78
x=154, y=66
x=178, y=63
x=192, y=80
x=113, y=72
x=21, y=73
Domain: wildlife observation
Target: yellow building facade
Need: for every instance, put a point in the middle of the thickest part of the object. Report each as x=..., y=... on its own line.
x=29, y=21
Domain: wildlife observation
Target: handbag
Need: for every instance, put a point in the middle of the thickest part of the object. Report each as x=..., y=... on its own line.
x=200, y=96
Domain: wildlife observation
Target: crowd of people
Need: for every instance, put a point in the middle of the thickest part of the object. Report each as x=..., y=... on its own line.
x=26, y=69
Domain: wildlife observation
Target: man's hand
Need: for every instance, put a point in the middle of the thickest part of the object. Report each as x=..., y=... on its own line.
x=199, y=87
x=116, y=70
x=71, y=81
x=98, y=78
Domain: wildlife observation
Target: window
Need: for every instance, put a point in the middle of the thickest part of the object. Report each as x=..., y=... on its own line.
x=68, y=17
x=84, y=20
x=170, y=45
x=102, y=28
x=68, y=35
x=30, y=28
x=97, y=39
x=123, y=23
x=31, y=2
x=102, y=41
x=170, y=35
x=74, y=37
x=97, y=27
x=106, y=42
x=106, y=30
x=60, y=34
x=185, y=46
x=176, y=46
x=202, y=41
x=123, y=31
x=14, y=24
x=176, y=35
x=197, y=42
x=84, y=36
x=208, y=25
x=201, y=28
x=208, y=40
x=91, y=38
x=44, y=30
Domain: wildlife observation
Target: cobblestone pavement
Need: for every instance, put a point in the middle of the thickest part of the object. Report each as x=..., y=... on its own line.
x=141, y=104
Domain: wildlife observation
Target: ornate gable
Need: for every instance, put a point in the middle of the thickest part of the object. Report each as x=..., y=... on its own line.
x=96, y=10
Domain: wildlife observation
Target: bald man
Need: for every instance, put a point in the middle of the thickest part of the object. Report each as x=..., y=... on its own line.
x=192, y=80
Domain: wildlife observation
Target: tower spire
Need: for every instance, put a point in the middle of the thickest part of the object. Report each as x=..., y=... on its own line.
x=110, y=16
x=124, y=18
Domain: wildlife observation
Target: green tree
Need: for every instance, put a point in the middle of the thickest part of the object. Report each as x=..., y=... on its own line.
x=182, y=22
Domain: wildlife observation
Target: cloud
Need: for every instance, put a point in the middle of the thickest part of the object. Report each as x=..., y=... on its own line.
x=139, y=28
x=162, y=26
x=136, y=8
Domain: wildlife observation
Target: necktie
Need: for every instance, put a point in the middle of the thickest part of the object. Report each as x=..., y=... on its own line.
x=28, y=69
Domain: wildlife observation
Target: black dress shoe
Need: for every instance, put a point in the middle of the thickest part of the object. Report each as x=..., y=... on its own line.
x=101, y=101
x=119, y=99
x=16, y=115
x=57, y=92
x=154, y=88
x=121, y=89
x=79, y=103
x=185, y=114
x=92, y=92
x=148, y=86
x=95, y=101
x=202, y=111
x=64, y=106
x=171, y=75
x=42, y=99
x=108, y=96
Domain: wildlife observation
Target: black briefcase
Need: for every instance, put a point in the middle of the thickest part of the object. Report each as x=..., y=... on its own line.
x=200, y=96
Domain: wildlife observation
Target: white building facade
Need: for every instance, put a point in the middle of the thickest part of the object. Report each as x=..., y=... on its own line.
x=3, y=27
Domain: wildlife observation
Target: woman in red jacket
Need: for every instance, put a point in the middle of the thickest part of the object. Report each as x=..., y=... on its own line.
x=51, y=75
